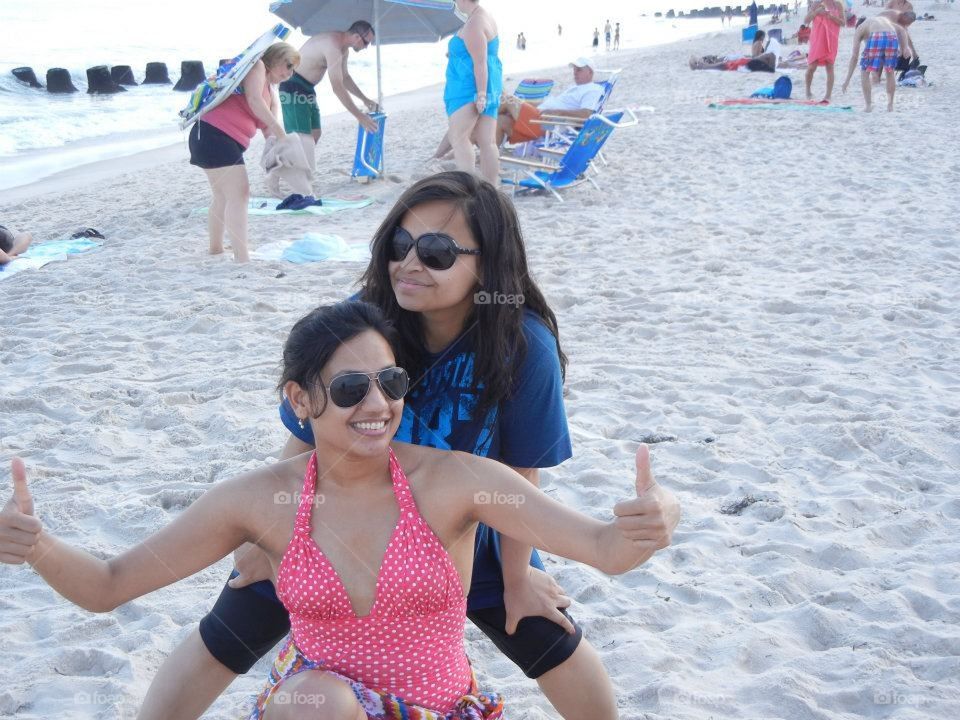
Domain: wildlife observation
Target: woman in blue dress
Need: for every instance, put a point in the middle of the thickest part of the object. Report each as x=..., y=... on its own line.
x=472, y=92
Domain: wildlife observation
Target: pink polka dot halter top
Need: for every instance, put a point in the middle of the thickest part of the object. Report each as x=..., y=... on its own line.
x=411, y=643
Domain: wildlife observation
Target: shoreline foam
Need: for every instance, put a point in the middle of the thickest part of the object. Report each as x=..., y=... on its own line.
x=27, y=167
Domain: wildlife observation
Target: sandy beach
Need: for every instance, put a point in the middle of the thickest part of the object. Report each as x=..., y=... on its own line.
x=770, y=298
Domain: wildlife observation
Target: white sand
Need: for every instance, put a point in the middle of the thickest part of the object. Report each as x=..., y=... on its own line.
x=775, y=291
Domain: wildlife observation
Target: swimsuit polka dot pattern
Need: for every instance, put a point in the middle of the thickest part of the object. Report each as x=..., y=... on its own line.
x=411, y=643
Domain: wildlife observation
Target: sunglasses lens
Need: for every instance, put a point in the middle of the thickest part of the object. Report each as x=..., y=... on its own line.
x=394, y=382
x=437, y=252
x=402, y=242
x=349, y=390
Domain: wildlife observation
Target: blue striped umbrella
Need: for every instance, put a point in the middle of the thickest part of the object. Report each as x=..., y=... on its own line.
x=399, y=21
x=394, y=21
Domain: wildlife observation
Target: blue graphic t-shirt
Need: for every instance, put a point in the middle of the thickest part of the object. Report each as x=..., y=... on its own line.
x=526, y=430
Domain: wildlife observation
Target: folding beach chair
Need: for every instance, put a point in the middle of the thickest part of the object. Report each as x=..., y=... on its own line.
x=567, y=127
x=573, y=163
x=563, y=133
x=533, y=90
x=368, y=158
x=562, y=130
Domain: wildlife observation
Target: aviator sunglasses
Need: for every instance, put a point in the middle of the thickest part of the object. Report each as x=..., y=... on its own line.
x=351, y=388
x=435, y=250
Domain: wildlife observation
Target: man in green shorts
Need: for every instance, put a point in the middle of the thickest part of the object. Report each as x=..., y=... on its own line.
x=298, y=100
x=325, y=55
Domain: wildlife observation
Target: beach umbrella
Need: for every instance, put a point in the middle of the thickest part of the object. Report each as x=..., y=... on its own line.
x=393, y=21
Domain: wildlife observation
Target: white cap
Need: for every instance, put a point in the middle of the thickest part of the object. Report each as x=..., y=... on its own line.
x=582, y=62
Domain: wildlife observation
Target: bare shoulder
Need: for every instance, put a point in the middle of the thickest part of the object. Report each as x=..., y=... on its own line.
x=433, y=470
x=265, y=500
x=489, y=24
x=317, y=41
x=323, y=44
x=256, y=487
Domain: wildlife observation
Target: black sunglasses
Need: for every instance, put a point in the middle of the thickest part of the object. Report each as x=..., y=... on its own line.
x=351, y=388
x=435, y=250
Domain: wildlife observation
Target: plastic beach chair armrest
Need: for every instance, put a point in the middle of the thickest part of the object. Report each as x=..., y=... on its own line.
x=559, y=120
x=617, y=124
x=526, y=163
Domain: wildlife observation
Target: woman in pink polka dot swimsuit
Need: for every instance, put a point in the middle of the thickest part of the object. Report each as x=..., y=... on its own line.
x=371, y=542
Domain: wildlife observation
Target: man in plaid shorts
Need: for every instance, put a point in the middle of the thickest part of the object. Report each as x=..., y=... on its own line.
x=883, y=41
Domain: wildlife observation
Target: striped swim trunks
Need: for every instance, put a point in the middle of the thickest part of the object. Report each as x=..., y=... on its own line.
x=881, y=51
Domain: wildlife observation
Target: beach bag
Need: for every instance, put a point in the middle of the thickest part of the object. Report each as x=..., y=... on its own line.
x=913, y=78
x=780, y=90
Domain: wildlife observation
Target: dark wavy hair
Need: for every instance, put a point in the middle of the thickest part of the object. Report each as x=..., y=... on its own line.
x=315, y=338
x=495, y=330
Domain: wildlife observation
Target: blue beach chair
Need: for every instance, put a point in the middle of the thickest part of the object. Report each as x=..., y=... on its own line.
x=368, y=158
x=564, y=123
x=562, y=130
x=573, y=163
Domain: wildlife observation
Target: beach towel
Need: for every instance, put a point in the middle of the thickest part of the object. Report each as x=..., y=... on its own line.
x=825, y=36
x=772, y=104
x=313, y=247
x=268, y=206
x=286, y=161
x=40, y=254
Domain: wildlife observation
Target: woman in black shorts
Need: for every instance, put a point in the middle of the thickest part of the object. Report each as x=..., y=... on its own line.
x=218, y=140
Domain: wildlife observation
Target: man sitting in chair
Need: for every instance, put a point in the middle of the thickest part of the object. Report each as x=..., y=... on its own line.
x=515, y=117
x=515, y=120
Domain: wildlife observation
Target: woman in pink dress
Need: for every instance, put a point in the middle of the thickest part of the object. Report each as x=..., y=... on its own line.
x=828, y=16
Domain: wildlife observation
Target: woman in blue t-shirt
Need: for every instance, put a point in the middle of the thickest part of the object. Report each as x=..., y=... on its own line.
x=480, y=343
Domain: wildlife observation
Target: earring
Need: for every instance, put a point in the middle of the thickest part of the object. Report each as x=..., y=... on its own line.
x=303, y=425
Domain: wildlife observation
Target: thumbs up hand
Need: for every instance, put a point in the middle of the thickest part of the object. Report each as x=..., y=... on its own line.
x=646, y=523
x=19, y=529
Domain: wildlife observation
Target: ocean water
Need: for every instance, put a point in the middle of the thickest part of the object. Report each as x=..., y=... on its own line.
x=41, y=134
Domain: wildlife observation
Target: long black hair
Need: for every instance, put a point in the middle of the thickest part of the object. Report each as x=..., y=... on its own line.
x=317, y=335
x=495, y=329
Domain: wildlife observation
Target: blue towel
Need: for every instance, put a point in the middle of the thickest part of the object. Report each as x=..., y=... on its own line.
x=57, y=248
x=314, y=247
x=39, y=254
